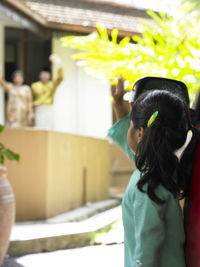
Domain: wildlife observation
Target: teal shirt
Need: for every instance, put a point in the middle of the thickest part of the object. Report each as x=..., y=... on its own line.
x=153, y=234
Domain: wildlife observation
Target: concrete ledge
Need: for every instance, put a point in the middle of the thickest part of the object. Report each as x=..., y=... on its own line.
x=82, y=213
x=39, y=237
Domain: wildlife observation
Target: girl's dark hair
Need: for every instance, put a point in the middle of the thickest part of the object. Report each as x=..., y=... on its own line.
x=155, y=156
x=196, y=113
x=151, y=83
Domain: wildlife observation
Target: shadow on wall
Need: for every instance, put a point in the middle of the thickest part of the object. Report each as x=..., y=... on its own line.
x=11, y=262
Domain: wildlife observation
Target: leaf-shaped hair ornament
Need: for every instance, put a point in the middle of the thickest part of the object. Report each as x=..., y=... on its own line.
x=152, y=118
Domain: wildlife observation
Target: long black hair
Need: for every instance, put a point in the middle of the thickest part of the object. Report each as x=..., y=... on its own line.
x=155, y=156
x=196, y=112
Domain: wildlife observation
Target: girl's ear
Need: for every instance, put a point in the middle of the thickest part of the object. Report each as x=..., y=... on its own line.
x=140, y=134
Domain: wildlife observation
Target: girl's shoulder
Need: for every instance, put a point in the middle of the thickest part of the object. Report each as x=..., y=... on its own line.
x=134, y=191
x=117, y=134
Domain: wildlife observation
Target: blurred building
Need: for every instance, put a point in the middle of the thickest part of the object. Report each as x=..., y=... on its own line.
x=30, y=32
x=70, y=169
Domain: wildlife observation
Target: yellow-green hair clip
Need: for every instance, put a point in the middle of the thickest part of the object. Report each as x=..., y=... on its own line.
x=152, y=118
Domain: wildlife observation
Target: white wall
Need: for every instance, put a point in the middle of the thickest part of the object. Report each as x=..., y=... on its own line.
x=1, y=72
x=82, y=103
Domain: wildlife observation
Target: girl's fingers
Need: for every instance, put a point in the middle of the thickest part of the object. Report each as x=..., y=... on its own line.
x=113, y=89
x=120, y=86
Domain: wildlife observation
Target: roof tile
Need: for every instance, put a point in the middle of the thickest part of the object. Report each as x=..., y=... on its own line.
x=84, y=13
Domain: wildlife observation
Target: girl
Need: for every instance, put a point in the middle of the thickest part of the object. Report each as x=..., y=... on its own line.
x=19, y=111
x=158, y=133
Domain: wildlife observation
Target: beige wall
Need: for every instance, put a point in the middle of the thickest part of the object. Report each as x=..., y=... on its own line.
x=70, y=159
x=28, y=177
x=49, y=178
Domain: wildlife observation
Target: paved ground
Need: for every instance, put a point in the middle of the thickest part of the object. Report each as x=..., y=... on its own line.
x=93, y=256
x=36, y=230
x=70, y=230
x=103, y=255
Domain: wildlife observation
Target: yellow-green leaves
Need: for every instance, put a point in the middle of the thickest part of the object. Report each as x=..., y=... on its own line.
x=103, y=56
x=169, y=46
x=114, y=34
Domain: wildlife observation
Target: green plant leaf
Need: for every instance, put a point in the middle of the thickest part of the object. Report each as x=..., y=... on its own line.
x=103, y=31
x=124, y=41
x=114, y=35
x=1, y=159
x=11, y=155
x=1, y=128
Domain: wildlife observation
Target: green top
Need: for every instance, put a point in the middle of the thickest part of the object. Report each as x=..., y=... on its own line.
x=153, y=234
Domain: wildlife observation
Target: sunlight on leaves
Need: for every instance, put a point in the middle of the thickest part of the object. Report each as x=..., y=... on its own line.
x=169, y=46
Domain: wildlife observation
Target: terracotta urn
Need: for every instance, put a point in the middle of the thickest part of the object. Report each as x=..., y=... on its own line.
x=7, y=212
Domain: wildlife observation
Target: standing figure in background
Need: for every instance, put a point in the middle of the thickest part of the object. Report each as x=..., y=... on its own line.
x=43, y=95
x=19, y=110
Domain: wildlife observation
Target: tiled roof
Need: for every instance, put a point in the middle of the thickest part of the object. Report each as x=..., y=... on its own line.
x=83, y=14
x=100, y=5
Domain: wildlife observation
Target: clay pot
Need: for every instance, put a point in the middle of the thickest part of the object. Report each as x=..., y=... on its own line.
x=7, y=212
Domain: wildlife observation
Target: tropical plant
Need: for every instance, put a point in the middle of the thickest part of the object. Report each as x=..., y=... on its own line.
x=195, y=3
x=169, y=46
x=5, y=152
x=102, y=56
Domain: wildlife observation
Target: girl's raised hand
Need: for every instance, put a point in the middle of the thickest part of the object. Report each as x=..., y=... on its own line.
x=117, y=92
x=121, y=108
